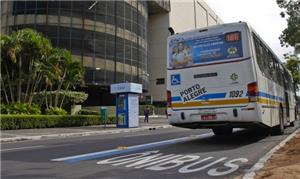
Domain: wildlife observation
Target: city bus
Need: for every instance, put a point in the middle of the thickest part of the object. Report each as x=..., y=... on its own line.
x=224, y=77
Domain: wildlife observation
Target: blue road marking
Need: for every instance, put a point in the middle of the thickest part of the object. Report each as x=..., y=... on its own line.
x=107, y=153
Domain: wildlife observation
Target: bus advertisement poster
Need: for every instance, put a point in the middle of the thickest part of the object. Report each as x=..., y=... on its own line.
x=196, y=50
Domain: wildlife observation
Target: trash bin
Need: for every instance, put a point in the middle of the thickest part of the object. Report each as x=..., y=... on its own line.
x=103, y=115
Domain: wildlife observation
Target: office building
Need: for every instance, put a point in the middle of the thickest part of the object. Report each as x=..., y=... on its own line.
x=116, y=41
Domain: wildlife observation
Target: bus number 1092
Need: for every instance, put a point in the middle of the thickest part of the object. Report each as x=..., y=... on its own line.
x=236, y=94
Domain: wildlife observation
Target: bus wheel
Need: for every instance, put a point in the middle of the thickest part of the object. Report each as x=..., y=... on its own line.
x=219, y=131
x=279, y=129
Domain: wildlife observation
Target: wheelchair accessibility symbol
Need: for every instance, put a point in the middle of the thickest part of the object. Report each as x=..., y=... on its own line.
x=175, y=79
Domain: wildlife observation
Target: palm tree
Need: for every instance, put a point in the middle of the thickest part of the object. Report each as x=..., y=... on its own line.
x=23, y=52
x=8, y=61
x=74, y=76
x=51, y=73
x=61, y=72
x=30, y=64
x=41, y=50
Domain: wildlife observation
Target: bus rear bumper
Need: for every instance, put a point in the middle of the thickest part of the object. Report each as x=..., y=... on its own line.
x=233, y=124
x=243, y=117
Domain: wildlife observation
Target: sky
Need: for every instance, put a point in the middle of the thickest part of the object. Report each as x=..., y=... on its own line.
x=263, y=16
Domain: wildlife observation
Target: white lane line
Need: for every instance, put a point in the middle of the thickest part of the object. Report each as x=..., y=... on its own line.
x=80, y=134
x=134, y=148
x=250, y=174
x=21, y=148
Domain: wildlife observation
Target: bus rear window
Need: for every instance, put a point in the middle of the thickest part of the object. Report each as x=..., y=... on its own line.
x=196, y=50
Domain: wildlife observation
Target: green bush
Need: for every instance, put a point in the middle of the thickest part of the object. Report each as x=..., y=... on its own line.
x=47, y=121
x=20, y=108
x=88, y=112
x=55, y=111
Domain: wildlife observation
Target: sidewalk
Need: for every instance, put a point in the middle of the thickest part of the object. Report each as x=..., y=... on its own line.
x=155, y=122
x=285, y=163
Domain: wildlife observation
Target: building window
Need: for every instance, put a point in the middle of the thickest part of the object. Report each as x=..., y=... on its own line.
x=105, y=36
x=160, y=81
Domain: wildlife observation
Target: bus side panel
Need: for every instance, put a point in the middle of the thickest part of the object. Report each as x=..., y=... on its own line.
x=271, y=95
x=266, y=110
x=293, y=106
x=269, y=108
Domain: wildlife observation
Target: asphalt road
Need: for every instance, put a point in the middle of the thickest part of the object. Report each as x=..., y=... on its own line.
x=164, y=153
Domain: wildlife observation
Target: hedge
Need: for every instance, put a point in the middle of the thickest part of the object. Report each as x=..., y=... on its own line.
x=46, y=121
x=88, y=112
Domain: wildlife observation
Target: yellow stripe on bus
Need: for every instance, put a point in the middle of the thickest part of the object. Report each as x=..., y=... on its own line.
x=211, y=103
x=223, y=102
x=268, y=102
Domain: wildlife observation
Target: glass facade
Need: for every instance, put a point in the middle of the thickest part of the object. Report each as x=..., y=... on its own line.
x=108, y=37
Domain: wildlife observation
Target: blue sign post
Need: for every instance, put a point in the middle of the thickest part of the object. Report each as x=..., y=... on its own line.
x=127, y=103
x=122, y=110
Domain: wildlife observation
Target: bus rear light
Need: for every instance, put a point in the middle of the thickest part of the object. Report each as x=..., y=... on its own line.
x=169, y=98
x=252, y=91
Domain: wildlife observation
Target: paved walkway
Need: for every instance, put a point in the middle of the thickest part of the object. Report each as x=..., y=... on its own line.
x=37, y=134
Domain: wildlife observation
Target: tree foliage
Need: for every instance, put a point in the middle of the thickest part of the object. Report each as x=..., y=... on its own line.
x=70, y=97
x=61, y=72
x=290, y=35
x=292, y=65
x=22, y=52
x=29, y=64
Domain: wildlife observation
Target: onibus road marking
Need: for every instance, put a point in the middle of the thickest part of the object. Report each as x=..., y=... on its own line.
x=124, y=150
x=155, y=161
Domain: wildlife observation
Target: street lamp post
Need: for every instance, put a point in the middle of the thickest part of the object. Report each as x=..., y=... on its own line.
x=297, y=54
x=147, y=80
x=93, y=5
x=94, y=74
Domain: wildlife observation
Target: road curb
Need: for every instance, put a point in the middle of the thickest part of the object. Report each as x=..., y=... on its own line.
x=250, y=174
x=78, y=134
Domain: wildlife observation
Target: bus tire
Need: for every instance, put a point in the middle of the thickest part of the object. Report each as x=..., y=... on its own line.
x=279, y=129
x=220, y=131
